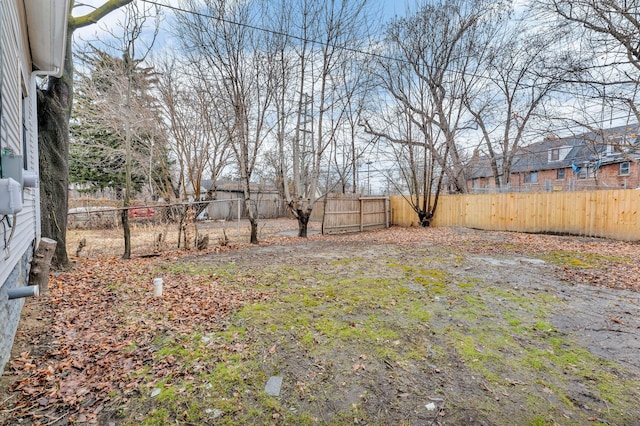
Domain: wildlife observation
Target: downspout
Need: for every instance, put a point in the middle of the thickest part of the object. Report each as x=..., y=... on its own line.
x=22, y=292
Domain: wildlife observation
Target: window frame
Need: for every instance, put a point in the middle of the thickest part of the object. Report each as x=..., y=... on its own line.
x=587, y=172
x=628, y=167
x=531, y=177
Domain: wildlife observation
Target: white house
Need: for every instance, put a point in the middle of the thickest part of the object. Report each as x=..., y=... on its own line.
x=33, y=45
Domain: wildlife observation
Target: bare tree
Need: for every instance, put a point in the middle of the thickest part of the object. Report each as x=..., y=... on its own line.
x=327, y=35
x=412, y=151
x=517, y=70
x=121, y=97
x=199, y=144
x=427, y=70
x=55, y=100
x=228, y=56
x=431, y=54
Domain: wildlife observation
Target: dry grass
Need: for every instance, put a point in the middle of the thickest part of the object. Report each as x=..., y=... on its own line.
x=145, y=236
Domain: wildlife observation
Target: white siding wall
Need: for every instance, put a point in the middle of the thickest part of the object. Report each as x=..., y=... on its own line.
x=18, y=83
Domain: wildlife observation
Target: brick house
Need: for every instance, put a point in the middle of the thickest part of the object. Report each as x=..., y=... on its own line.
x=609, y=159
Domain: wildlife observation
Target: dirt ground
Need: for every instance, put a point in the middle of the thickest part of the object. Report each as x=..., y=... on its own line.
x=401, y=326
x=605, y=320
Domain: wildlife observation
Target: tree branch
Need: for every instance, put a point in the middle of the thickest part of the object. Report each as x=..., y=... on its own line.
x=76, y=22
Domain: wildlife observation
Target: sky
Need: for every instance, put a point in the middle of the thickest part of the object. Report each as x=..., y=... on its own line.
x=389, y=9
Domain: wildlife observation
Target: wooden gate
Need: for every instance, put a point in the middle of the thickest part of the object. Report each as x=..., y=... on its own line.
x=343, y=214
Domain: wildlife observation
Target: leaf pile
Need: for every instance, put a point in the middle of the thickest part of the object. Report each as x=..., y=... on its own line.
x=104, y=324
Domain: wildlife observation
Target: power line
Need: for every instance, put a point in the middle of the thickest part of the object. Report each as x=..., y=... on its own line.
x=275, y=32
x=308, y=40
x=345, y=48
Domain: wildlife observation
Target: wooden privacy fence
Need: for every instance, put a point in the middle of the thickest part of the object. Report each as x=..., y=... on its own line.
x=610, y=214
x=345, y=214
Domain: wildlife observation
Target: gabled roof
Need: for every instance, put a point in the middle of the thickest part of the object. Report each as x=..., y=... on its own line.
x=579, y=150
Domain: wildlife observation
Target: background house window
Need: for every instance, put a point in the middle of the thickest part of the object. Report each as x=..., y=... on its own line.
x=560, y=174
x=531, y=177
x=555, y=154
x=624, y=168
x=587, y=172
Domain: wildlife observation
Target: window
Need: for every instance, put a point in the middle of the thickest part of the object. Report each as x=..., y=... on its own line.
x=531, y=177
x=555, y=154
x=624, y=168
x=587, y=172
x=560, y=174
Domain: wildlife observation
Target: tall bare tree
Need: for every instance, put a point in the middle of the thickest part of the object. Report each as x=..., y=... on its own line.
x=134, y=52
x=327, y=36
x=517, y=70
x=54, y=111
x=427, y=69
x=228, y=54
x=431, y=51
x=120, y=90
x=411, y=150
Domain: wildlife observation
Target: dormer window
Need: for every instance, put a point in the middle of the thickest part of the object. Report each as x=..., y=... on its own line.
x=555, y=154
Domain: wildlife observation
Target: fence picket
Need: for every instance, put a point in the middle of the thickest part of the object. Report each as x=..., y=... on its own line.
x=609, y=213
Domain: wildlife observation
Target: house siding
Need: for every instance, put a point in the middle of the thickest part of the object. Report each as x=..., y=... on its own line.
x=268, y=205
x=22, y=234
x=607, y=177
x=610, y=177
x=10, y=309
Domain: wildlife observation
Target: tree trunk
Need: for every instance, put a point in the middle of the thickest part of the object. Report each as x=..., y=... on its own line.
x=254, y=230
x=54, y=113
x=54, y=110
x=303, y=221
x=41, y=263
x=127, y=233
x=253, y=219
x=425, y=218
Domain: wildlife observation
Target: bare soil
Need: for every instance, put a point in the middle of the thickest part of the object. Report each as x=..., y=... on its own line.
x=596, y=316
x=605, y=319
x=473, y=327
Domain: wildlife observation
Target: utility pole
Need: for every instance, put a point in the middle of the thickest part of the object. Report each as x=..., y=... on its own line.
x=369, y=176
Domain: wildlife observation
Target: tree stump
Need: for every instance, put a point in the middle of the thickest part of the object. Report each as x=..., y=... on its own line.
x=203, y=242
x=41, y=263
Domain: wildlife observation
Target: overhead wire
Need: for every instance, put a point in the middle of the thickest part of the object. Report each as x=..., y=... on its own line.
x=345, y=48
x=274, y=32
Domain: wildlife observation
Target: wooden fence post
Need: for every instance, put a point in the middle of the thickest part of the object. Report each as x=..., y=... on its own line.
x=386, y=212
